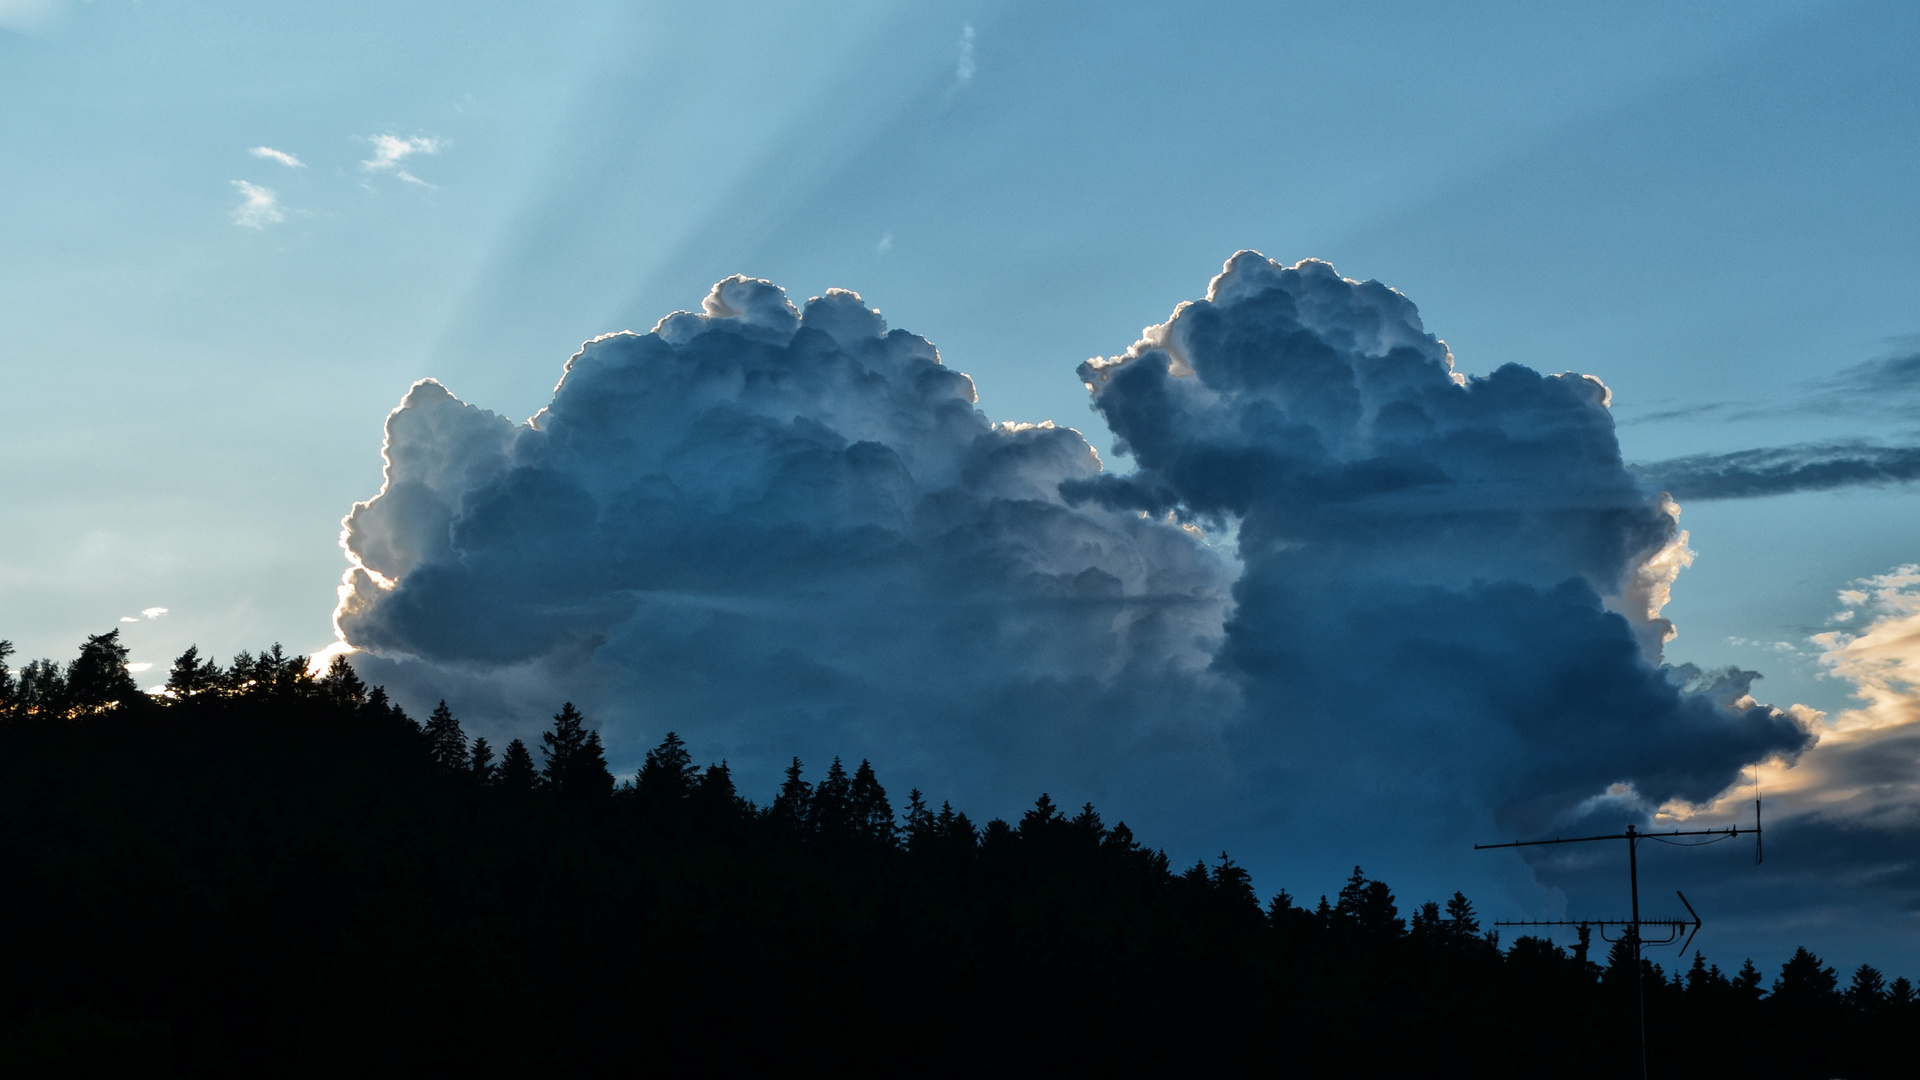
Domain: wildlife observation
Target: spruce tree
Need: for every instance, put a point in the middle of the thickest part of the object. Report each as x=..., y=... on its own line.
x=446, y=743
x=919, y=824
x=832, y=799
x=870, y=813
x=516, y=771
x=667, y=773
x=576, y=764
x=793, y=806
x=1462, y=923
x=480, y=762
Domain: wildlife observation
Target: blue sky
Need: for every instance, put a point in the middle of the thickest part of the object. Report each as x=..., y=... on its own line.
x=1709, y=207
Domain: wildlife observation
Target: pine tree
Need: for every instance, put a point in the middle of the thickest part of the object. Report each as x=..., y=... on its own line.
x=576, y=764
x=793, y=806
x=1868, y=991
x=446, y=743
x=191, y=675
x=714, y=793
x=1462, y=923
x=480, y=762
x=870, y=814
x=6, y=677
x=919, y=824
x=667, y=773
x=1804, y=981
x=831, y=802
x=516, y=769
x=341, y=684
x=98, y=677
x=1900, y=992
x=1747, y=980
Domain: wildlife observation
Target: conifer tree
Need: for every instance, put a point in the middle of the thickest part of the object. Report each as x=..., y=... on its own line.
x=191, y=675
x=714, y=791
x=516, y=769
x=1868, y=991
x=480, y=762
x=341, y=684
x=1747, y=980
x=576, y=765
x=1803, y=980
x=1462, y=923
x=446, y=743
x=831, y=802
x=6, y=677
x=1900, y=992
x=919, y=824
x=793, y=806
x=869, y=811
x=98, y=677
x=667, y=773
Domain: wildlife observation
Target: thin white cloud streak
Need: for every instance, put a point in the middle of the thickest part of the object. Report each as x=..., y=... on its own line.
x=259, y=206
x=390, y=150
x=268, y=153
x=963, y=70
x=25, y=15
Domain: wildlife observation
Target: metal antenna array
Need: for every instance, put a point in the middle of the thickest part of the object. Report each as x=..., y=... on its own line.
x=1633, y=929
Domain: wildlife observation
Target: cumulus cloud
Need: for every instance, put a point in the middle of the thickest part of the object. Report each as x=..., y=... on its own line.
x=1345, y=585
x=281, y=156
x=153, y=612
x=391, y=151
x=259, y=206
x=785, y=530
x=1781, y=470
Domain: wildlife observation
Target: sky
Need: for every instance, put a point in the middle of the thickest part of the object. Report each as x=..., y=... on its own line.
x=235, y=238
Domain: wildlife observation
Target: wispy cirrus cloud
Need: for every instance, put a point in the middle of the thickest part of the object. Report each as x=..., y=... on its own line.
x=268, y=153
x=1887, y=386
x=1779, y=470
x=390, y=151
x=964, y=68
x=259, y=206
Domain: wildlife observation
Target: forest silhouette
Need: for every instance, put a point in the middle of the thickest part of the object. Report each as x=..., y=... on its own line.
x=262, y=871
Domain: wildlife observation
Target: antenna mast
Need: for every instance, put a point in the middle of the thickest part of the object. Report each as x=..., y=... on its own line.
x=1633, y=929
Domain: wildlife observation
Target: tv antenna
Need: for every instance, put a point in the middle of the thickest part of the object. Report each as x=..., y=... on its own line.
x=1633, y=930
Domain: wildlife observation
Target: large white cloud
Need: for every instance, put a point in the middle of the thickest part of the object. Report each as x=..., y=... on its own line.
x=783, y=531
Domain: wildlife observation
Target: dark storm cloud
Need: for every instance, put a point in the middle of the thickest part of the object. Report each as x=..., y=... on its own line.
x=1780, y=470
x=1455, y=572
x=1345, y=584
x=783, y=531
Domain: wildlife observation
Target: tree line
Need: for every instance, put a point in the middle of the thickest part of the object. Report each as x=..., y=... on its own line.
x=264, y=869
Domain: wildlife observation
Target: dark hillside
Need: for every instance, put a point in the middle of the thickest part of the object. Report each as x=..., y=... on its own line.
x=268, y=873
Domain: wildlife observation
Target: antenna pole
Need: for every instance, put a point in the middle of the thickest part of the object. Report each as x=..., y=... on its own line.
x=1639, y=977
x=1756, y=818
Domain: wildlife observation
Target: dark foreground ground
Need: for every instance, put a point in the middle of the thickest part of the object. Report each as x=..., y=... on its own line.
x=271, y=874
